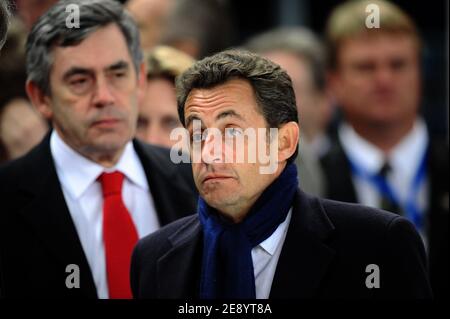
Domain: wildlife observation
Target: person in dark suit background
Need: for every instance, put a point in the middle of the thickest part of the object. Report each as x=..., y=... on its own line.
x=73, y=208
x=256, y=234
x=4, y=22
x=383, y=154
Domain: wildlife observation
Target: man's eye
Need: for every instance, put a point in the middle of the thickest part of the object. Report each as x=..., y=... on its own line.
x=365, y=67
x=80, y=84
x=233, y=132
x=398, y=64
x=197, y=136
x=119, y=74
x=170, y=123
x=142, y=123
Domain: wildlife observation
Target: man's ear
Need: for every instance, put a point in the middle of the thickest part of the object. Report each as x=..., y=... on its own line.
x=288, y=136
x=40, y=100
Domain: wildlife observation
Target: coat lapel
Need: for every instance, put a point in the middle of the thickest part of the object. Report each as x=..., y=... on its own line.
x=338, y=175
x=48, y=215
x=305, y=257
x=303, y=262
x=178, y=271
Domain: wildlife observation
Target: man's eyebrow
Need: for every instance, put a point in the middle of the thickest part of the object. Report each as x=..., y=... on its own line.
x=76, y=70
x=120, y=65
x=224, y=114
x=191, y=118
x=229, y=113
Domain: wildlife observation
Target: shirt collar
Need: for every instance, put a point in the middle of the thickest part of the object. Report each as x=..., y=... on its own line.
x=270, y=244
x=407, y=155
x=77, y=172
x=359, y=150
x=404, y=157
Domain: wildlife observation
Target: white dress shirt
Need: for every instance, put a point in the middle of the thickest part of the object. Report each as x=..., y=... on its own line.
x=404, y=160
x=82, y=192
x=265, y=258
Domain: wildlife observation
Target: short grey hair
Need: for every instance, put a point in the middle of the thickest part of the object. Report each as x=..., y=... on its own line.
x=271, y=85
x=299, y=41
x=51, y=30
x=5, y=15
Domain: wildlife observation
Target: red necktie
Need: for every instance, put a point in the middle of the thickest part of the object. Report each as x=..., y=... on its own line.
x=119, y=236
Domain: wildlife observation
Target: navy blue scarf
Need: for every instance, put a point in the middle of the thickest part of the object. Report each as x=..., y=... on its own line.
x=227, y=266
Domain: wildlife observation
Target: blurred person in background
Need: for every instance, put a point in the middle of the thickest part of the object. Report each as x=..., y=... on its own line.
x=4, y=21
x=383, y=155
x=158, y=114
x=74, y=206
x=300, y=52
x=21, y=126
x=199, y=27
x=29, y=11
x=150, y=16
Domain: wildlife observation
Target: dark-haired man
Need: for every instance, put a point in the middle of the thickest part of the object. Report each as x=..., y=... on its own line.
x=256, y=234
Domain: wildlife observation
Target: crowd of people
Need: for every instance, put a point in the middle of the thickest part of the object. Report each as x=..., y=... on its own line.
x=87, y=176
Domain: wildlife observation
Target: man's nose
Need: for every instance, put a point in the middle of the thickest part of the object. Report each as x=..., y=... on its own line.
x=212, y=148
x=384, y=75
x=103, y=93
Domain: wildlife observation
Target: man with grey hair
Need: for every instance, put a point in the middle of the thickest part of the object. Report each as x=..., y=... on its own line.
x=4, y=21
x=73, y=208
x=258, y=235
x=301, y=53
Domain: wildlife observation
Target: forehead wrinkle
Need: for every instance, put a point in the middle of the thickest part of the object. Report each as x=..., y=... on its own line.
x=203, y=99
x=197, y=106
x=232, y=95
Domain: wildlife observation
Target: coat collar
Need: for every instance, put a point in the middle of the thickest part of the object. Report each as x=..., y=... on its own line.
x=305, y=257
x=49, y=217
x=303, y=262
x=178, y=271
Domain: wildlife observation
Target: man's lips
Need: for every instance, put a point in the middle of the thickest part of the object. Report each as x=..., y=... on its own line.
x=215, y=177
x=106, y=122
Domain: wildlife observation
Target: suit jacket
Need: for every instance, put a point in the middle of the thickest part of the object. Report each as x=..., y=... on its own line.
x=327, y=248
x=340, y=187
x=38, y=238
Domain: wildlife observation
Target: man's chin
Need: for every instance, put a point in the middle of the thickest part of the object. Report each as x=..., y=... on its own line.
x=109, y=144
x=217, y=199
x=109, y=137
